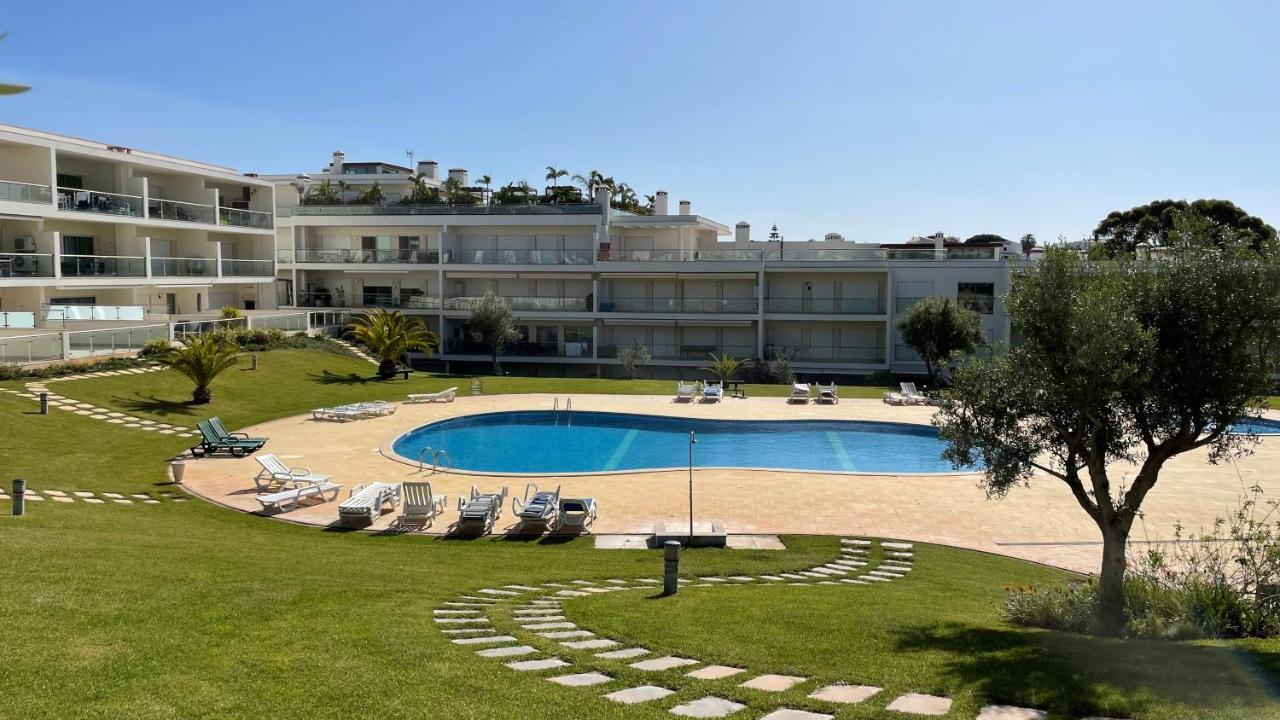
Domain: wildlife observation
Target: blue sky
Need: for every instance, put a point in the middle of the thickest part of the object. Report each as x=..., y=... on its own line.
x=875, y=120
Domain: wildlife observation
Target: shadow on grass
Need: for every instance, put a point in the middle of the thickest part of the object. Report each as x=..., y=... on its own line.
x=152, y=405
x=1075, y=675
x=331, y=378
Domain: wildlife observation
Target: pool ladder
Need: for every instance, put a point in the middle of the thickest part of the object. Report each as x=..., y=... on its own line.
x=435, y=459
x=568, y=409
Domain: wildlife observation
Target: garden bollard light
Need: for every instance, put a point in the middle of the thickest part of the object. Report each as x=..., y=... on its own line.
x=19, y=496
x=254, y=360
x=44, y=403
x=670, y=567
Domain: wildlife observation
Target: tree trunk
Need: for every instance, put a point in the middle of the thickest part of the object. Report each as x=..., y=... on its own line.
x=201, y=395
x=928, y=369
x=497, y=367
x=1111, y=599
x=387, y=369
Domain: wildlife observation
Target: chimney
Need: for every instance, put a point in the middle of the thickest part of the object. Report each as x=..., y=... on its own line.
x=429, y=169
x=686, y=207
x=742, y=233
x=603, y=196
x=939, y=249
x=338, y=158
x=660, y=203
x=459, y=174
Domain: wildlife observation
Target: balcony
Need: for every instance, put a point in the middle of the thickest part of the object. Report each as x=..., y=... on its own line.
x=693, y=352
x=25, y=265
x=244, y=218
x=524, y=303
x=521, y=348
x=827, y=306
x=371, y=300
x=679, y=305
x=179, y=211
x=14, y=191
x=103, y=203
x=519, y=257
x=864, y=355
x=183, y=267
x=681, y=255
x=516, y=209
x=370, y=257
x=80, y=266
x=247, y=268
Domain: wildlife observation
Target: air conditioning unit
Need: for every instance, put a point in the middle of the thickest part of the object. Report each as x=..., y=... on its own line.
x=24, y=244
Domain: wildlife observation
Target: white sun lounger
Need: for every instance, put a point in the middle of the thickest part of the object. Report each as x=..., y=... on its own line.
x=576, y=515
x=365, y=502
x=712, y=392
x=337, y=414
x=799, y=393
x=913, y=395
x=446, y=395
x=537, y=507
x=421, y=506
x=685, y=391
x=290, y=498
x=275, y=474
x=828, y=393
x=481, y=508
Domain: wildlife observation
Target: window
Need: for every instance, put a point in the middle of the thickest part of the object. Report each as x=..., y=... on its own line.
x=376, y=295
x=71, y=182
x=77, y=245
x=83, y=300
x=978, y=297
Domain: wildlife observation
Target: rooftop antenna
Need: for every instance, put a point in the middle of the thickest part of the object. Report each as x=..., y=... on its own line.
x=408, y=152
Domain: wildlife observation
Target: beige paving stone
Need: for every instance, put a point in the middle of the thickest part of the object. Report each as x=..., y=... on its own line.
x=707, y=707
x=510, y=651
x=1010, y=712
x=581, y=679
x=772, y=683
x=536, y=665
x=844, y=694
x=793, y=714
x=485, y=640
x=715, y=672
x=639, y=694
x=623, y=654
x=61, y=499
x=663, y=663
x=596, y=644
x=920, y=704
x=95, y=501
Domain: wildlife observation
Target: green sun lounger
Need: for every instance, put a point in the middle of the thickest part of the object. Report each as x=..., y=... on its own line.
x=212, y=442
x=221, y=430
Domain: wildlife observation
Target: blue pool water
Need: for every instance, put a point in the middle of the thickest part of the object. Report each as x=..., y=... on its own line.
x=1260, y=426
x=546, y=442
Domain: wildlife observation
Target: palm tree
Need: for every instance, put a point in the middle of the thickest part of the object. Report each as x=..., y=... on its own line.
x=589, y=182
x=491, y=323
x=725, y=367
x=554, y=174
x=390, y=336
x=485, y=180
x=203, y=358
x=342, y=186
x=7, y=89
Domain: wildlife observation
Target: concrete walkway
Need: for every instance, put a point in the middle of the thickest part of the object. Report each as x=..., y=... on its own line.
x=1041, y=522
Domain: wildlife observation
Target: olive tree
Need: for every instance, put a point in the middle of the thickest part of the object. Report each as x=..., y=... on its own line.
x=492, y=323
x=1122, y=365
x=936, y=329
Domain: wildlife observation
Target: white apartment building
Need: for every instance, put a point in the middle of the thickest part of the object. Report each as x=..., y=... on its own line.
x=585, y=280
x=103, y=247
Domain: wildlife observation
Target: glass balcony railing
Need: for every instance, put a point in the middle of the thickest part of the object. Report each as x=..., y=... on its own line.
x=679, y=305
x=849, y=354
x=369, y=299
x=831, y=306
x=524, y=303
x=518, y=257
x=15, y=191
x=102, y=266
x=103, y=342
x=244, y=218
x=183, y=267
x=746, y=255
x=247, y=268
x=30, y=348
x=23, y=265
x=691, y=351
x=105, y=203
x=397, y=209
x=347, y=255
x=521, y=348
x=159, y=209
x=21, y=320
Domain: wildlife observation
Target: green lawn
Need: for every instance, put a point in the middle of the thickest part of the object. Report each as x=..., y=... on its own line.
x=192, y=610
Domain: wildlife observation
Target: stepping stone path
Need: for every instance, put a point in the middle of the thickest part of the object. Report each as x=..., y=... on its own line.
x=536, y=614
x=84, y=496
x=93, y=412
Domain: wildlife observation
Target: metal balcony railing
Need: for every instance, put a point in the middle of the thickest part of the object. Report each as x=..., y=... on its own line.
x=15, y=191
x=524, y=303
x=177, y=210
x=24, y=265
x=244, y=218
x=518, y=257
x=183, y=267
x=830, y=306
x=95, y=201
x=348, y=255
x=679, y=305
x=688, y=351
x=102, y=266
x=247, y=268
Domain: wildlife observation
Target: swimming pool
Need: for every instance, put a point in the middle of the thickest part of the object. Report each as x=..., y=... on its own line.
x=591, y=442
x=1258, y=426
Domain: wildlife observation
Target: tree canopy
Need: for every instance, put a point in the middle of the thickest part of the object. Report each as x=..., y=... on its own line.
x=1123, y=230
x=391, y=336
x=984, y=238
x=492, y=323
x=936, y=329
x=1123, y=364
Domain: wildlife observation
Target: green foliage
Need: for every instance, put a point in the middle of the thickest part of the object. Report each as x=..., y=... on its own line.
x=371, y=195
x=514, y=194
x=231, y=313
x=1072, y=607
x=1134, y=361
x=154, y=348
x=725, y=367
x=202, y=358
x=1154, y=224
x=492, y=323
x=1028, y=243
x=937, y=329
x=632, y=358
x=983, y=238
x=9, y=371
x=780, y=370
x=322, y=194
x=390, y=336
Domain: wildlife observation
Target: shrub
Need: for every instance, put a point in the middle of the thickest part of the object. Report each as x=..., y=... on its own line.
x=632, y=358
x=17, y=372
x=1070, y=608
x=154, y=348
x=780, y=370
x=231, y=313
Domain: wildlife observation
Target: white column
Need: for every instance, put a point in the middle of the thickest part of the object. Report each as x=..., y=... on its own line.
x=146, y=197
x=146, y=254
x=217, y=203
x=57, y=253
x=217, y=256
x=53, y=175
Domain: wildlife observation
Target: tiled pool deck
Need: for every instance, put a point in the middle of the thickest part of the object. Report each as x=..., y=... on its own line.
x=1041, y=522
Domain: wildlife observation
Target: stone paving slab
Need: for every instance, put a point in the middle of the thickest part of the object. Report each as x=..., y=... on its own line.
x=549, y=626
x=596, y=644
x=485, y=640
x=622, y=654
x=715, y=672
x=844, y=694
x=536, y=665
x=1010, y=712
x=773, y=683
x=95, y=501
x=63, y=499
x=663, y=663
x=707, y=707
x=566, y=634
x=581, y=679
x=639, y=694
x=793, y=714
x=511, y=651
x=921, y=704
